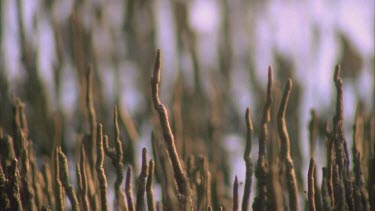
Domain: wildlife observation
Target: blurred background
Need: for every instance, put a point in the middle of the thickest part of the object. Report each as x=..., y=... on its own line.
x=215, y=56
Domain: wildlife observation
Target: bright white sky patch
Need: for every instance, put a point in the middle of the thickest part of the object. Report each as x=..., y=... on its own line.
x=204, y=16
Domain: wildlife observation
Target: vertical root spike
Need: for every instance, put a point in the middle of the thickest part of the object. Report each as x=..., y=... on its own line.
x=183, y=186
x=100, y=168
x=235, y=195
x=141, y=183
x=128, y=189
x=149, y=188
x=248, y=162
x=285, y=149
x=311, y=185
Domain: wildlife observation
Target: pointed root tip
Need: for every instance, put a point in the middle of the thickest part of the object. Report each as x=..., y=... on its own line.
x=289, y=85
x=153, y=136
x=82, y=150
x=99, y=130
x=152, y=163
x=14, y=163
x=312, y=165
x=269, y=74
x=269, y=90
x=158, y=57
x=247, y=116
x=249, y=124
x=337, y=74
x=156, y=75
x=312, y=161
x=144, y=153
